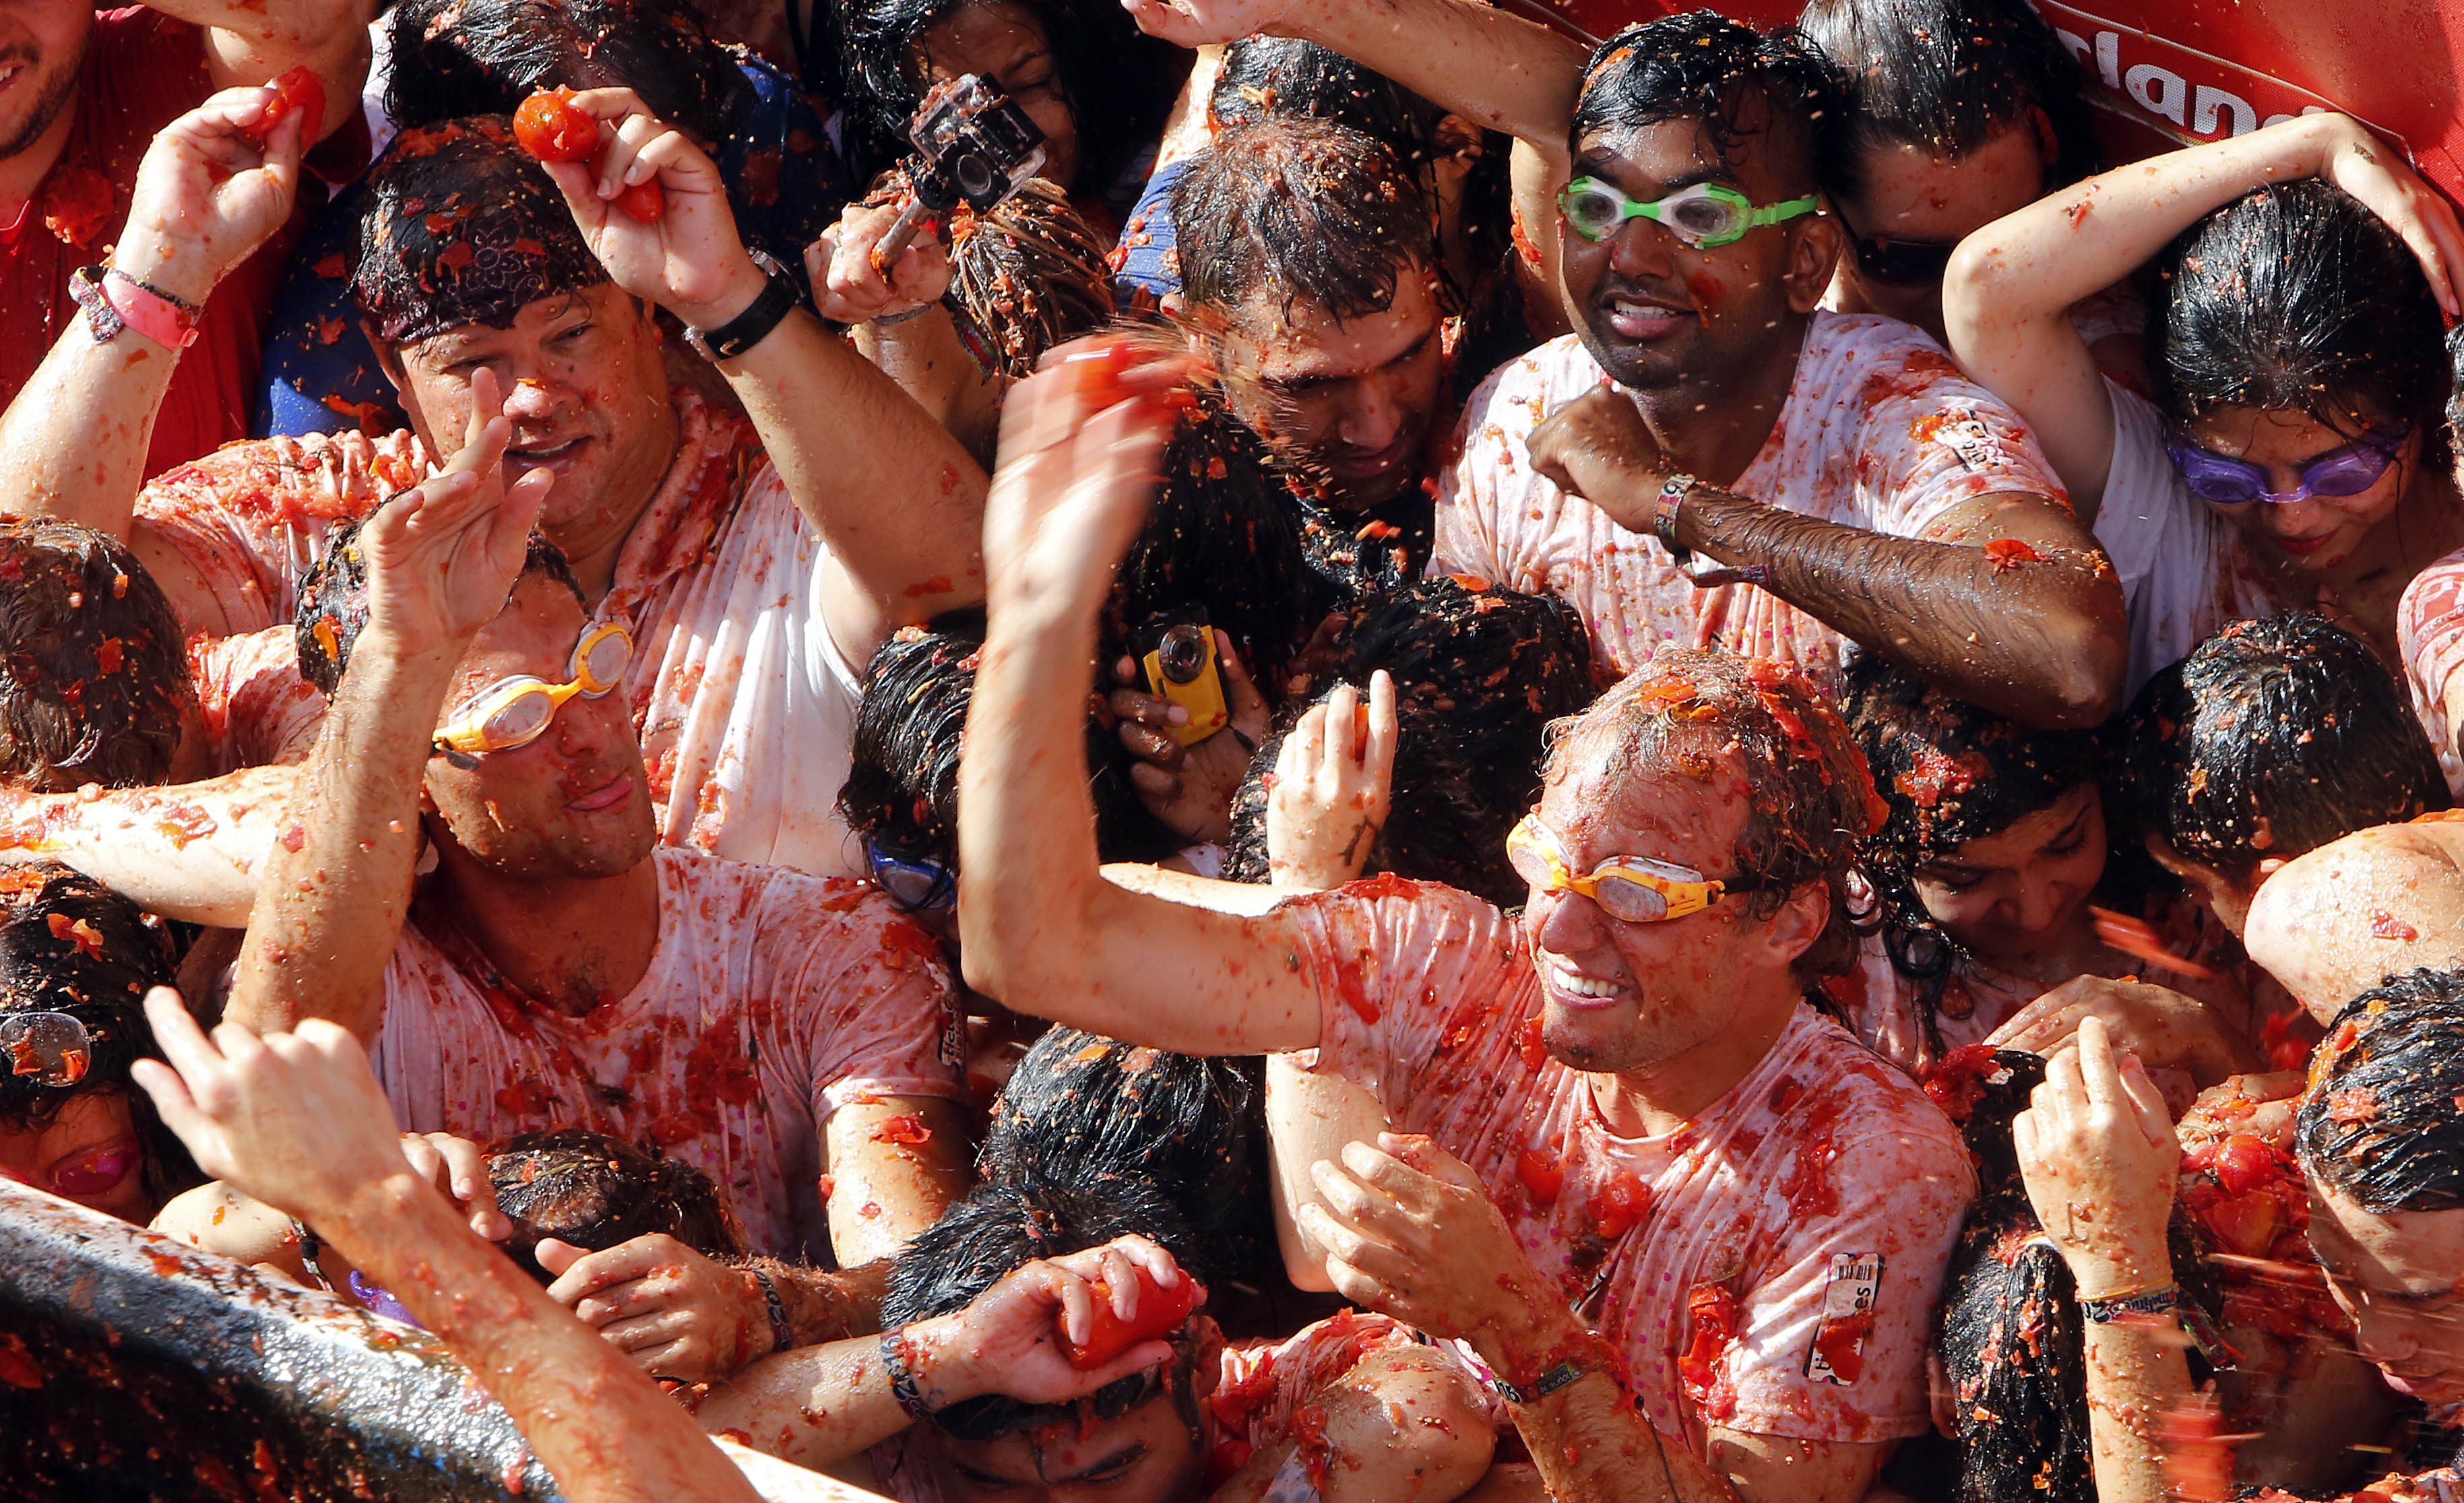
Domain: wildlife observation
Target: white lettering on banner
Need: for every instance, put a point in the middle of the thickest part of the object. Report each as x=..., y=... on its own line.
x=2159, y=91
x=2201, y=97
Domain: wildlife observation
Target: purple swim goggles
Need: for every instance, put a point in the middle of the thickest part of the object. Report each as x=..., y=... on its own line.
x=2345, y=471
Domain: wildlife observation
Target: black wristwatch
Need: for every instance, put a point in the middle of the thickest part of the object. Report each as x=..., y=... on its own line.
x=754, y=324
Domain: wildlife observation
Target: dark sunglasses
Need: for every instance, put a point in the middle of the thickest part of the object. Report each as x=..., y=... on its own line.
x=2346, y=472
x=1902, y=263
x=917, y=887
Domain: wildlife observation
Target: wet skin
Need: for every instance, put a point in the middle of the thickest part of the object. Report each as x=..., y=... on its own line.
x=88, y=1153
x=1147, y=1455
x=1911, y=194
x=1004, y=44
x=2395, y=1273
x=2020, y=894
x=42, y=46
x=1356, y=399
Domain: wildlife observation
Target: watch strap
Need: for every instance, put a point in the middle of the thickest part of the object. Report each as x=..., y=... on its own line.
x=749, y=328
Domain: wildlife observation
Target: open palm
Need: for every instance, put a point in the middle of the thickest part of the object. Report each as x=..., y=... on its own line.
x=443, y=555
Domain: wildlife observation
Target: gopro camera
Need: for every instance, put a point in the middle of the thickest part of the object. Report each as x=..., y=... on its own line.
x=973, y=146
x=1178, y=650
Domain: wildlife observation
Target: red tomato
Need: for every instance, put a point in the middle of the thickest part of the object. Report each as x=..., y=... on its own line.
x=2242, y=1164
x=1542, y=1174
x=645, y=201
x=551, y=127
x=1621, y=1204
x=2246, y=1224
x=297, y=89
x=1160, y=1311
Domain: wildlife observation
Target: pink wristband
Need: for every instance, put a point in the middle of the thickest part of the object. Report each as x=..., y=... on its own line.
x=151, y=312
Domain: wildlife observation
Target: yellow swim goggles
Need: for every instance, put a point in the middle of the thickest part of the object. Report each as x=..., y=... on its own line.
x=514, y=712
x=1634, y=889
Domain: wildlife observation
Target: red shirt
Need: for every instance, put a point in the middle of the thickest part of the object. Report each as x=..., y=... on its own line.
x=142, y=72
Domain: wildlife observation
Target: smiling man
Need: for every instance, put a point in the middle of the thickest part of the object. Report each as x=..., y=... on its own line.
x=1695, y=1228
x=1839, y=476
x=757, y=561
x=785, y=1035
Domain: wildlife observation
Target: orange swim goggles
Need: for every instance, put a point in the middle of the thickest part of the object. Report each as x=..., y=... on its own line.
x=1634, y=889
x=514, y=712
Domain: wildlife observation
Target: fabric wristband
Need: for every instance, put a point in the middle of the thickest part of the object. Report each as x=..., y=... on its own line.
x=114, y=300
x=903, y=1384
x=783, y=1335
x=1664, y=512
x=2163, y=1299
x=1546, y=1384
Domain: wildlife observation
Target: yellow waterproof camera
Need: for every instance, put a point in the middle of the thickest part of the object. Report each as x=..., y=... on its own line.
x=1180, y=668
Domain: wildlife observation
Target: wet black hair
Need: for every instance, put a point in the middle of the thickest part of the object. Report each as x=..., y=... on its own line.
x=1701, y=66
x=1812, y=799
x=1222, y=533
x=457, y=226
x=911, y=726
x=2272, y=738
x=2010, y=1337
x=68, y=944
x=1951, y=773
x=1480, y=674
x=999, y=1227
x=456, y=57
x=1118, y=83
x=1946, y=75
x=1299, y=210
x=595, y=1191
x=1086, y=1109
x=1025, y=278
x=334, y=600
x=1264, y=76
x=2380, y=1123
x=2296, y=298
x=94, y=683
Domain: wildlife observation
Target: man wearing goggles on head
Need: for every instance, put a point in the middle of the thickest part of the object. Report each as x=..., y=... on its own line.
x=1691, y=1226
x=741, y=552
x=557, y=967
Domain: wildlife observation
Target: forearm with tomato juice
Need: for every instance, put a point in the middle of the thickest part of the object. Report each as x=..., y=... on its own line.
x=332, y=899
x=2005, y=602
x=191, y=852
x=816, y=1405
x=603, y=1429
x=1588, y=1438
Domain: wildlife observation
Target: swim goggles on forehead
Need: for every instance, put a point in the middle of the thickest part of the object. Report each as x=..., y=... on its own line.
x=2346, y=472
x=917, y=887
x=1705, y=215
x=1634, y=889
x=513, y=713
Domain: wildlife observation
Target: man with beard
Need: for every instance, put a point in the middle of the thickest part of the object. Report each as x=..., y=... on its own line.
x=1836, y=474
x=82, y=94
x=1694, y=1229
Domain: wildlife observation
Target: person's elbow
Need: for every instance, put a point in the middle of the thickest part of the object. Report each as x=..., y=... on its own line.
x=2086, y=657
x=1975, y=289
x=1029, y=956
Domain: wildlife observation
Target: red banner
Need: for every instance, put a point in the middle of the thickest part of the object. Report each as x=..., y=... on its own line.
x=2198, y=71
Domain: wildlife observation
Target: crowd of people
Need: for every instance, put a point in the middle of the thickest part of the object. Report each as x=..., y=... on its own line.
x=1291, y=814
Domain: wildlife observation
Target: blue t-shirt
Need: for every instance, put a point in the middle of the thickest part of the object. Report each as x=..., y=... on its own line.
x=1147, y=265
x=783, y=179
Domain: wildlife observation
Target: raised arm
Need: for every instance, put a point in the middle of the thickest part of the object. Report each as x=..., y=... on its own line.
x=1040, y=930
x=190, y=853
x=2006, y=602
x=73, y=443
x=2007, y=295
x=1496, y=69
x=896, y=498
x=298, y=1122
x=441, y=561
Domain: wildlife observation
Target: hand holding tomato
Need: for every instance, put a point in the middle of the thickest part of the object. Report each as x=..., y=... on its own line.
x=215, y=183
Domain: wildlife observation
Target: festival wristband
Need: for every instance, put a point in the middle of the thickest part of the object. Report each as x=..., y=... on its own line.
x=114, y=300
x=1542, y=1387
x=783, y=1335
x=903, y=1384
x=1664, y=512
x=2161, y=1300
x=1583, y=1353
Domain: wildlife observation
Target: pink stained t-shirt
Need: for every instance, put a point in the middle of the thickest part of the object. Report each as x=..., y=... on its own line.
x=1879, y=431
x=744, y=703
x=1784, y=1279
x=772, y=1000
x=2429, y=632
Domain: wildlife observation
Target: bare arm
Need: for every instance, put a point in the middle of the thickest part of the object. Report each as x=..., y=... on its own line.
x=2009, y=290
x=896, y=498
x=899, y=323
x=1495, y=69
x=441, y=561
x=1040, y=930
x=73, y=443
x=298, y=1122
x=887, y=1183
x=190, y=853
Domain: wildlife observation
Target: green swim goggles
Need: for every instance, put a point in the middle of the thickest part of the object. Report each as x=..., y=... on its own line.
x=1705, y=216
